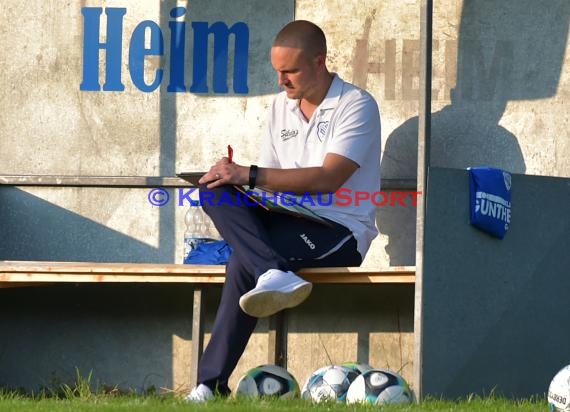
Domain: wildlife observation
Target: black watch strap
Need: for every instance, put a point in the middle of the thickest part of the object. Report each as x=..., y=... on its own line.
x=252, y=176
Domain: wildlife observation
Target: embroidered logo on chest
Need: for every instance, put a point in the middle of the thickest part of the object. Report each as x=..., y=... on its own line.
x=322, y=128
x=288, y=134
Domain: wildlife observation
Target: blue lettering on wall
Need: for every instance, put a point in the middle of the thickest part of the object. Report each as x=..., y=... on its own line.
x=221, y=38
x=147, y=39
x=138, y=51
x=177, y=49
x=91, y=47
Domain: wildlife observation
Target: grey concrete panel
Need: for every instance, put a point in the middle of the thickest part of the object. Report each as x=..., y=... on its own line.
x=495, y=312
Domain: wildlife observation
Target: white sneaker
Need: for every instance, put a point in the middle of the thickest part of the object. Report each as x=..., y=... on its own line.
x=276, y=290
x=199, y=394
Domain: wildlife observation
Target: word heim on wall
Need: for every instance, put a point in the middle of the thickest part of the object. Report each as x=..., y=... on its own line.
x=138, y=50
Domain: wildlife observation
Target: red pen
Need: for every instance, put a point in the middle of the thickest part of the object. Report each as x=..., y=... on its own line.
x=230, y=153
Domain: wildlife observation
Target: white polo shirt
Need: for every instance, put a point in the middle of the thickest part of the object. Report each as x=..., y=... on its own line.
x=347, y=123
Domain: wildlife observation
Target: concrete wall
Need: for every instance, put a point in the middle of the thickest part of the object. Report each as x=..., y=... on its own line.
x=500, y=97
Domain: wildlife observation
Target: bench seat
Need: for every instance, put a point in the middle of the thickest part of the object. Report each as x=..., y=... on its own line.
x=77, y=272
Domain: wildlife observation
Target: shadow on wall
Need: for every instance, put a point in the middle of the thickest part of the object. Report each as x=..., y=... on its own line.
x=35, y=229
x=124, y=334
x=508, y=50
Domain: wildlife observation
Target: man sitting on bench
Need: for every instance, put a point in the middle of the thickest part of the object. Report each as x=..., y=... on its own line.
x=323, y=134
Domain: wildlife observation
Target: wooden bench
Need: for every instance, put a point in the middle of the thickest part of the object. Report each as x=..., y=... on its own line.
x=27, y=273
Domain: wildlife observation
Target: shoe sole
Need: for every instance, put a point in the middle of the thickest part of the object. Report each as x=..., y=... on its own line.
x=262, y=304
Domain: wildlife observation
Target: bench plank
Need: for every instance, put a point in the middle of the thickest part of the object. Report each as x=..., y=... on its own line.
x=96, y=272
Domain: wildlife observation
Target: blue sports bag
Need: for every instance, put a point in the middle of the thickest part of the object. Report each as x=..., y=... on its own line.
x=209, y=252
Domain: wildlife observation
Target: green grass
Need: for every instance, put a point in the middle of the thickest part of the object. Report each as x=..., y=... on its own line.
x=132, y=403
x=80, y=397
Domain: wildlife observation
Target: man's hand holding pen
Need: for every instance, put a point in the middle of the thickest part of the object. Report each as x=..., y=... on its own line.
x=225, y=172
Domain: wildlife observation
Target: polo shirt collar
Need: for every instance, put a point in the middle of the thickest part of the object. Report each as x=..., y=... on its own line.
x=333, y=95
x=331, y=99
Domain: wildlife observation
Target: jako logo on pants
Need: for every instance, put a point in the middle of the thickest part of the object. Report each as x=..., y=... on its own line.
x=308, y=241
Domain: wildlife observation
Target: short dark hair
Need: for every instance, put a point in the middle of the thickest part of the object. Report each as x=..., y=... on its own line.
x=304, y=35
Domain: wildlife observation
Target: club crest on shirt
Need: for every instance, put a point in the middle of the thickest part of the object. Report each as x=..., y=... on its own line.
x=322, y=128
x=288, y=134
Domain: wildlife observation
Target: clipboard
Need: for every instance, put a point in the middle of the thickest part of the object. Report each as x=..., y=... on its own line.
x=288, y=205
x=191, y=177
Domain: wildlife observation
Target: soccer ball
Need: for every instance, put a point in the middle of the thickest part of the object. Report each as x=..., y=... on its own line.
x=268, y=380
x=358, y=367
x=559, y=391
x=379, y=386
x=329, y=383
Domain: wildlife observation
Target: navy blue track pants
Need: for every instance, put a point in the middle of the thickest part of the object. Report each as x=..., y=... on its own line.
x=261, y=240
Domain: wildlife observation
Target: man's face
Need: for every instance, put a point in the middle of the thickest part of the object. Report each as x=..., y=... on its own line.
x=296, y=72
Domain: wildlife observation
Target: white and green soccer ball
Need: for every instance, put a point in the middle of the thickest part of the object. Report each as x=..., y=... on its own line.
x=357, y=366
x=559, y=391
x=268, y=381
x=378, y=387
x=329, y=383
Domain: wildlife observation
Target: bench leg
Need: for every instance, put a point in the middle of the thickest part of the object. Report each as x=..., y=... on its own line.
x=277, y=336
x=197, y=335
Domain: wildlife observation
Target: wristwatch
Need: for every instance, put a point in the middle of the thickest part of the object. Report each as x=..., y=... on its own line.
x=252, y=176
